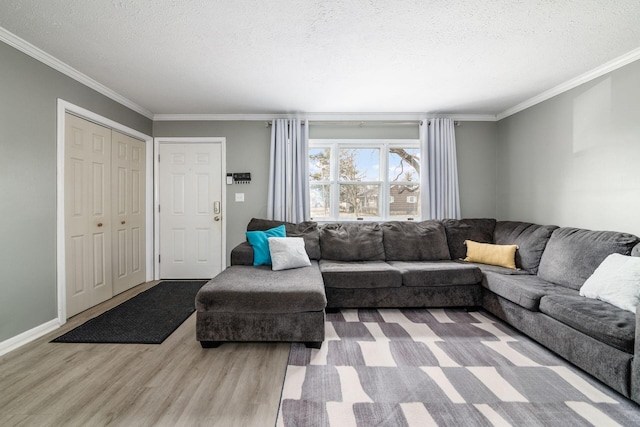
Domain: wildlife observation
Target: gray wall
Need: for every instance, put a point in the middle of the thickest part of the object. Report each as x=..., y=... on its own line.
x=573, y=160
x=248, y=145
x=28, y=102
x=477, y=169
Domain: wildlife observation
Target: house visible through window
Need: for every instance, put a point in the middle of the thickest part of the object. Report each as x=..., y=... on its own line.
x=364, y=180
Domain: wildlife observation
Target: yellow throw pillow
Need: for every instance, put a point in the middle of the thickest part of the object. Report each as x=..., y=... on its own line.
x=486, y=253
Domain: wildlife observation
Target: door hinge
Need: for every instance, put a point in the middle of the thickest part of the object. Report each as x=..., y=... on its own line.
x=158, y=158
x=158, y=208
x=158, y=258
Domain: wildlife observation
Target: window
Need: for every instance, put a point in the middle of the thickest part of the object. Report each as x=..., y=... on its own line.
x=364, y=180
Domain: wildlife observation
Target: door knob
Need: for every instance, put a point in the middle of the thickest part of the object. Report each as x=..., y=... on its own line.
x=99, y=224
x=123, y=221
x=216, y=218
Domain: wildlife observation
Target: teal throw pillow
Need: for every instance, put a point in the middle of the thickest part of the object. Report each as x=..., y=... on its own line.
x=260, y=244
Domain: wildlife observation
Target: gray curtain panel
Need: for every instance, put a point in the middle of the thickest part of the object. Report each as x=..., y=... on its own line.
x=438, y=147
x=288, y=198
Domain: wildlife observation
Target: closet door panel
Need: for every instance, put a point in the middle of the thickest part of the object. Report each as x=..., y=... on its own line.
x=87, y=214
x=128, y=211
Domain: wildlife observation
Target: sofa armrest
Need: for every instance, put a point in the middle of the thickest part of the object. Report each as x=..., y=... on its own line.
x=635, y=362
x=242, y=254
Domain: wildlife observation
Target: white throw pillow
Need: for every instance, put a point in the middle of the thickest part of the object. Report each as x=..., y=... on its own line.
x=616, y=281
x=287, y=253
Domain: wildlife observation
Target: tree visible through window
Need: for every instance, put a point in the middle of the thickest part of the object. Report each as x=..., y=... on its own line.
x=404, y=182
x=370, y=180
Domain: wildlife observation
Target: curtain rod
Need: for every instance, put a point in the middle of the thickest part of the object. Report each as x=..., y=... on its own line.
x=361, y=123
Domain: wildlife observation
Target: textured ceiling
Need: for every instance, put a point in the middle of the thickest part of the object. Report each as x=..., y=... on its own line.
x=249, y=57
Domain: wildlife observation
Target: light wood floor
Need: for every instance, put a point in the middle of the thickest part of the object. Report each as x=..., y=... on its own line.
x=176, y=383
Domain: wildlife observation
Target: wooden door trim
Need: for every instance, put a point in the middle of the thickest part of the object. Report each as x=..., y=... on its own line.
x=156, y=192
x=64, y=107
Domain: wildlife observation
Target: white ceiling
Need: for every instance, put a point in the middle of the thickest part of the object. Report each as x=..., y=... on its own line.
x=350, y=56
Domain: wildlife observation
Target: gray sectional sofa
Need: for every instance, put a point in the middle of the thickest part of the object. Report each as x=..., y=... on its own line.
x=419, y=264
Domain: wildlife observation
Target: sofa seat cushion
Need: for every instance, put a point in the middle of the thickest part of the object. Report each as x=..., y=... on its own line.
x=598, y=319
x=496, y=269
x=249, y=289
x=524, y=290
x=437, y=273
x=359, y=274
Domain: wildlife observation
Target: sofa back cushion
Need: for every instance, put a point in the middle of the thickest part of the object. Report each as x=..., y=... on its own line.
x=352, y=242
x=458, y=230
x=531, y=240
x=415, y=241
x=308, y=230
x=572, y=254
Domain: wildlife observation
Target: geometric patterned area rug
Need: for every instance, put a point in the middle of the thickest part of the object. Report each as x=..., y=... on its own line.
x=439, y=367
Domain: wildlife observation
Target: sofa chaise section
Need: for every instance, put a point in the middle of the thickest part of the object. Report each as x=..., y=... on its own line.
x=246, y=303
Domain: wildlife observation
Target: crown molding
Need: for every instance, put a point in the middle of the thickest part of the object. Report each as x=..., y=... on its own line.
x=322, y=117
x=40, y=55
x=467, y=117
x=607, y=67
x=221, y=117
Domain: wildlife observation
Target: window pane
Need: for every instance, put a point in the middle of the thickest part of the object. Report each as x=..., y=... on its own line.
x=359, y=201
x=320, y=200
x=359, y=164
x=319, y=161
x=404, y=164
x=404, y=201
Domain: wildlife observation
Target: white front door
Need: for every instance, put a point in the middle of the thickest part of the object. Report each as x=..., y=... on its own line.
x=128, y=211
x=87, y=214
x=190, y=196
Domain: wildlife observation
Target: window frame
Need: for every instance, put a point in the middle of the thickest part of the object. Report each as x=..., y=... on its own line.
x=334, y=145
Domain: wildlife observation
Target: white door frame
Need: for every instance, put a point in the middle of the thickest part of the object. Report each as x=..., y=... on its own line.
x=61, y=279
x=156, y=191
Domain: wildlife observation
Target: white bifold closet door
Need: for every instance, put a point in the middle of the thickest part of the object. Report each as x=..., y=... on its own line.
x=104, y=213
x=127, y=211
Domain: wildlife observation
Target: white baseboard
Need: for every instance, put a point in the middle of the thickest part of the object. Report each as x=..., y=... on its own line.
x=28, y=336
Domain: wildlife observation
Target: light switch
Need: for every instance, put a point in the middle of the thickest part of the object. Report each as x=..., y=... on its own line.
x=239, y=197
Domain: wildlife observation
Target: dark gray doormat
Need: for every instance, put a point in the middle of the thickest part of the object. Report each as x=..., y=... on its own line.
x=148, y=318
